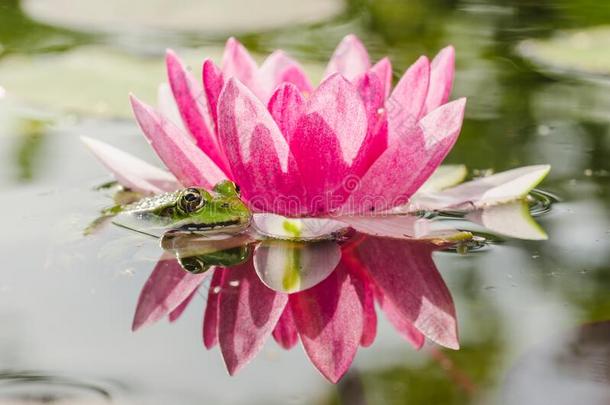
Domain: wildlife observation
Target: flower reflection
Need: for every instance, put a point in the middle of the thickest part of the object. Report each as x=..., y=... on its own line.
x=322, y=293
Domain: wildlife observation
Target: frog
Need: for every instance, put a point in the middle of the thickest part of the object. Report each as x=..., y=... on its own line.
x=194, y=210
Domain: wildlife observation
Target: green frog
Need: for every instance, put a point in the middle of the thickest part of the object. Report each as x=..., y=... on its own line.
x=194, y=210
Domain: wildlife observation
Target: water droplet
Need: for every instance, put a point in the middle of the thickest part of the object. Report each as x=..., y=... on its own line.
x=234, y=283
x=380, y=111
x=216, y=290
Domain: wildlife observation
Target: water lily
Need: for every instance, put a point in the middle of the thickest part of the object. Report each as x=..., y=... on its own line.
x=314, y=163
x=332, y=318
x=353, y=144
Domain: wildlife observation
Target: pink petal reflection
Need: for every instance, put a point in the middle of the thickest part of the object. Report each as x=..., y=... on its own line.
x=366, y=292
x=405, y=328
x=285, y=332
x=409, y=280
x=247, y=313
x=210, y=318
x=179, y=310
x=330, y=323
x=166, y=288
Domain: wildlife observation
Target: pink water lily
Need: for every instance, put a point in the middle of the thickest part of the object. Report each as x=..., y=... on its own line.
x=352, y=144
x=331, y=319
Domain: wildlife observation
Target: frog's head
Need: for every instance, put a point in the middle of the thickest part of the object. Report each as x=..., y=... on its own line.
x=196, y=209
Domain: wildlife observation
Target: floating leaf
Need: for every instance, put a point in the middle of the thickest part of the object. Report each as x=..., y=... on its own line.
x=581, y=52
x=56, y=81
x=226, y=16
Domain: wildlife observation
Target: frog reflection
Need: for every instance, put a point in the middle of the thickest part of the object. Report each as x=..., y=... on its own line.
x=197, y=254
x=327, y=302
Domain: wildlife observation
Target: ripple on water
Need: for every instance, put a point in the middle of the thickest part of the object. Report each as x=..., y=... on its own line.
x=38, y=388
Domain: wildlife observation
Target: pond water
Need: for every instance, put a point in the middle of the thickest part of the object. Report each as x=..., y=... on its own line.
x=533, y=316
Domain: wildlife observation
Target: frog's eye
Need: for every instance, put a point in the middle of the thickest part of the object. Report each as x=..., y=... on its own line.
x=194, y=264
x=191, y=200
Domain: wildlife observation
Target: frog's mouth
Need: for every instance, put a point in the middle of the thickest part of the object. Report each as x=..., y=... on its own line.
x=224, y=226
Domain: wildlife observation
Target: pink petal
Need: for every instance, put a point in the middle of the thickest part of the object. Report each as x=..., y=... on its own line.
x=371, y=91
x=370, y=88
x=409, y=280
x=248, y=312
x=285, y=106
x=237, y=63
x=441, y=78
x=260, y=159
x=408, y=161
x=327, y=140
x=179, y=310
x=130, y=171
x=193, y=107
x=181, y=156
x=278, y=68
x=407, y=101
x=383, y=70
x=210, y=318
x=330, y=323
x=166, y=288
x=366, y=293
x=212, y=84
x=285, y=332
x=441, y=128
x=350, y=58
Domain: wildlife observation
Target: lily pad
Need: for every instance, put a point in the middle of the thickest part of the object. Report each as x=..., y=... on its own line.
x=582, y=52
x=137, y=16
x=89, y=80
